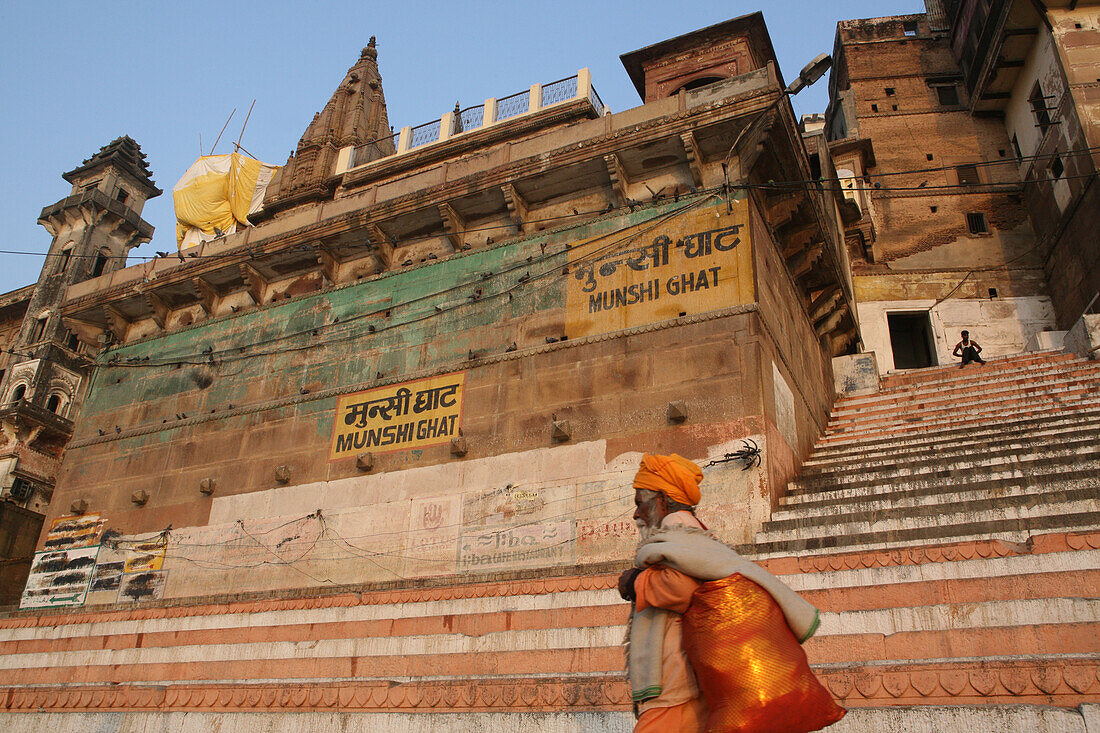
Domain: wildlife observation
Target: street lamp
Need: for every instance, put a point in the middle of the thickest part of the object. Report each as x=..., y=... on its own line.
x=810, y=73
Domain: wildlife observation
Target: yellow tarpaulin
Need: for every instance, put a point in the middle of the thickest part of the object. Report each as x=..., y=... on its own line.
x=218, y=193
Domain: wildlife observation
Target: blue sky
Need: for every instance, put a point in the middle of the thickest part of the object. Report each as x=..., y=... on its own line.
x=76, y=75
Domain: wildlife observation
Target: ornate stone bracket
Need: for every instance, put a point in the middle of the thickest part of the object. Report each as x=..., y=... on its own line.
x=694, y=157
x=517, y=207
x=453, y=224
x=619, y=180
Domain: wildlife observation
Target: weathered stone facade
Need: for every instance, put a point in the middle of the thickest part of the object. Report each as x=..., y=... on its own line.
x=370, y=458
x=943, y=238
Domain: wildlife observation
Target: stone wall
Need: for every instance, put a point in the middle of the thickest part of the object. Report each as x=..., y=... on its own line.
x=535, y=469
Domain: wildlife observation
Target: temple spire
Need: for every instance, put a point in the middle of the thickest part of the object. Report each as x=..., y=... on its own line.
x=355, y=114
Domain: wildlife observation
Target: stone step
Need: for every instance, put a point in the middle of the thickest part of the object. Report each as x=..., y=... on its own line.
x=1022, y=423
x=1083, y=456
x=965, y=393
x=1021, y=435
x=516, y=649
x=1000, y=403
x=952, y=378
x=954, y=529
x=1034, y=467
x=952, y=372
x=929, y=409
x=899, y=425
x=966, y=510
x=841, y=500
x=919, y=509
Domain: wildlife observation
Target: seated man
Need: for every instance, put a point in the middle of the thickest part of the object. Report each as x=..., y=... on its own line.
x=968, y=350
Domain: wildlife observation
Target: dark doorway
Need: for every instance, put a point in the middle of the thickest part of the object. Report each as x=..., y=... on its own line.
x=911, y=340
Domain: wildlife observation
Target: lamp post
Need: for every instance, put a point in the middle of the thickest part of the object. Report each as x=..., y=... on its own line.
x=810, y=73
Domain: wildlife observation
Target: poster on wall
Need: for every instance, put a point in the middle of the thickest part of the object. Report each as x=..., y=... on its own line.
x=146, y=554
x=695, y=262
x=79, y=531
x=59, y=578
x=398, y=416
x=60, y=575
x=142, y=586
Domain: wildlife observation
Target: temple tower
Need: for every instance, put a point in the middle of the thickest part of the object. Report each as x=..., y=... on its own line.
x=354, y=115
x=93, y=229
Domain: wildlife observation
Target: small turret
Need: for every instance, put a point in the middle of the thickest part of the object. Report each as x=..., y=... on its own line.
x=93, y=228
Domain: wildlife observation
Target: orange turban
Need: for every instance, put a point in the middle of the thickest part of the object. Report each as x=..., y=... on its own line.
x=674, y=476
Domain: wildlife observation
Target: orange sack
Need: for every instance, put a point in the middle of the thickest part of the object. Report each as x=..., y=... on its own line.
x=752, y=671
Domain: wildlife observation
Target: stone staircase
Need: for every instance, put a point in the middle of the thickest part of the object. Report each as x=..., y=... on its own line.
x=955, y=561
x=1001, y=451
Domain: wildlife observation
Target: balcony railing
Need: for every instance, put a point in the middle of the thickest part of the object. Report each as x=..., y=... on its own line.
x=529, y=101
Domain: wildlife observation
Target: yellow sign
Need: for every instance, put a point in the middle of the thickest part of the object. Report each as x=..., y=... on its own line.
x=695, y=262
x=398, y=417
x=76, y=531
x=146, y=554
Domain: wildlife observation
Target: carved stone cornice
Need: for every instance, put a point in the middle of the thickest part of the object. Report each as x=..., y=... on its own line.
x=1045, y=681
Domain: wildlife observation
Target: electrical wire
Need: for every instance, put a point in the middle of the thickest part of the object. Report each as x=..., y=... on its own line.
x=228, y=354
x=494, y=227
x=350, y=549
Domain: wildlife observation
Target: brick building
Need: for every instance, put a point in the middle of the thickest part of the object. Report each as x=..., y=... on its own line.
x=943, y=243
x=1033, y=67
x=369, y=459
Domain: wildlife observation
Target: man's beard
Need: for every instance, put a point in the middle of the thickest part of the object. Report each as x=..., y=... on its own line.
x=645, y=531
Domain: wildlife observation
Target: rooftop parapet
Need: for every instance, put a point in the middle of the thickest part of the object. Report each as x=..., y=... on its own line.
x=461, y=121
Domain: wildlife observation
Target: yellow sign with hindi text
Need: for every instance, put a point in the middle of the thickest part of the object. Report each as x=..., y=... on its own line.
x=694, y=262
x=399, y=416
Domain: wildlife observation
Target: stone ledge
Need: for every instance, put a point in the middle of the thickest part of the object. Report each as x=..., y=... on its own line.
x=1065, y=682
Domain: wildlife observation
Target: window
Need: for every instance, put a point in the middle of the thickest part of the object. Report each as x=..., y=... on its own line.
x=21, y=490
x=975, y=222
x=1056, y=167
x=874, y=108
x=53, y=403
x=928, y=156
x=697, y=83
x=71, y=341
x=890, y=91
x=122, y=196
x=1038, y=104
x=39, y=330
x=968, y=175
x=18, y=393
x=66, y=255
x=1016, y=148
x=948, y=95
x=910, y=28
x=100, y=263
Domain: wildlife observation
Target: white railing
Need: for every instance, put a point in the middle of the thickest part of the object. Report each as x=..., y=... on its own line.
x=461, y=121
